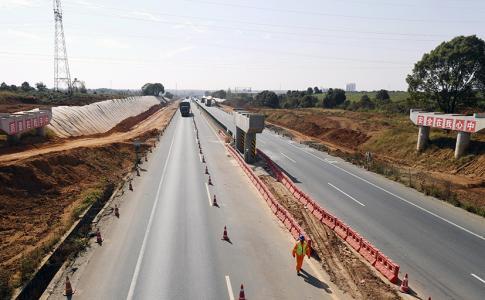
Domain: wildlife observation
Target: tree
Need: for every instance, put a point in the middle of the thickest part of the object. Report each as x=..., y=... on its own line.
x=4, y=86
x=450, y=75
x=366, y=103
x=267, y=98
x=219, y=94
x=41, y=87
x=25, y=87
x=13, y=87
x=334, y=97
x=168, y=95
x=153, y=89
x=316, y=90
x=309, y=91
x=382, y=96
x=308, y=101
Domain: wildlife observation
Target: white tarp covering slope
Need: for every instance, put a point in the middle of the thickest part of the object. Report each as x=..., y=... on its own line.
x=99, y=117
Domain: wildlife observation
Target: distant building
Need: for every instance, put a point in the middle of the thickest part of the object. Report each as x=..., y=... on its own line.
x=350, y=87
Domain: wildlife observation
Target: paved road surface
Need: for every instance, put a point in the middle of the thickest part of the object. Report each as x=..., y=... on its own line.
x=440, y=246
x=167, y=242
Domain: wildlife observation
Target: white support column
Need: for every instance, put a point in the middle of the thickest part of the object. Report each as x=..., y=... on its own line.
x=423, y=137
x=462, y=142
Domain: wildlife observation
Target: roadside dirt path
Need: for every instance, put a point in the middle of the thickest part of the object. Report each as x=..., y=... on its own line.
x=155, y=121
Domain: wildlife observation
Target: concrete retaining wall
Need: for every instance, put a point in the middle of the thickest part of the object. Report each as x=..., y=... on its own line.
x=99, y=117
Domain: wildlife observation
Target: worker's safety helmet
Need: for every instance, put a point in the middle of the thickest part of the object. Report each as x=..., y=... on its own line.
x=302, y=237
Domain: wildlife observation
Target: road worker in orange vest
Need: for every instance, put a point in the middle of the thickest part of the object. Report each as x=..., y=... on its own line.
x=301, y=248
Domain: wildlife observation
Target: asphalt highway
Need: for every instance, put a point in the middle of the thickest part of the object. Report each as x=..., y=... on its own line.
x=167, y=242
x=441, y=247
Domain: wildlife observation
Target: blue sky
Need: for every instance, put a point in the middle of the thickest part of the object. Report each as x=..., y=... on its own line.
x=211, y=44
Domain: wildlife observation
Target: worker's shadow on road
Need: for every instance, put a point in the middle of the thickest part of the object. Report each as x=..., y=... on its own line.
x=309, y=278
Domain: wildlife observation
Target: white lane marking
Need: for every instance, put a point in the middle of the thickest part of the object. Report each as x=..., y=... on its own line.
x=397, y=196
x=229, y=288
x=208, y=193
x=150, y=221
x=330, y=161
x=346, y=194
x=483, y=281
x=288, y=157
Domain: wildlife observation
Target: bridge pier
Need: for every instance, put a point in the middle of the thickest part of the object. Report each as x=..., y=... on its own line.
x=462, y=142
x=423, y=138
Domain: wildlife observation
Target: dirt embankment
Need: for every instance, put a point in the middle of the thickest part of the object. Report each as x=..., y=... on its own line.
x=392, y=141
x=44, y=189
x=344, y=267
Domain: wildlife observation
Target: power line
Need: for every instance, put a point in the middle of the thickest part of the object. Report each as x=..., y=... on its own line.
x=281, y=10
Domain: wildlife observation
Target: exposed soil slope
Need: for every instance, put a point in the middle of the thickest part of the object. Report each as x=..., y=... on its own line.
x=44, y=188
x=392, y=140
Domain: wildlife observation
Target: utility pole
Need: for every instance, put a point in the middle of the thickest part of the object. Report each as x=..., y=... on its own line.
x=61, y=65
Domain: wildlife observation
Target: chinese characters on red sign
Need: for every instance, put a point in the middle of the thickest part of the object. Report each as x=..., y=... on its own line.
x=447, y=123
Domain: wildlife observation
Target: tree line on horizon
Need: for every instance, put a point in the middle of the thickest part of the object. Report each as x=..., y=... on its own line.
x=450, y=79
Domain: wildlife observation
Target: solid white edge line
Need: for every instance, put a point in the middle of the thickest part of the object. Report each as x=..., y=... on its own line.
x=288, y=157
x=346, y=194
x=134, y=279
x=392, y=194
x=483, y=281
x=229, y=288
x=208, y=193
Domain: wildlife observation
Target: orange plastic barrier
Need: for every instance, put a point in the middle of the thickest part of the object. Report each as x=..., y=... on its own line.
x=368, y=251
x=328, y=219
x=341, y=229
x=383, y=264
x=353, y=239
x=318, y=213
x=282, y=214
x=387, y=267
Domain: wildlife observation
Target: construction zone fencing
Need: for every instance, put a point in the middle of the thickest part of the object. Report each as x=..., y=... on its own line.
x=373, y=255
x=280, y=212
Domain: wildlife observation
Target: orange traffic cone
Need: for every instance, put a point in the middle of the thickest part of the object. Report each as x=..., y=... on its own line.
x=224, y=235
x=117, y=211
x=69, y=291
x=404, y=284
x=241, y=293
x=99, y=239
x=206, y=170
x=210, y=181
x=214, y=203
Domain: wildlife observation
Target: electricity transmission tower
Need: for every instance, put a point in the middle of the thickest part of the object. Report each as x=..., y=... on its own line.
x=62, y=77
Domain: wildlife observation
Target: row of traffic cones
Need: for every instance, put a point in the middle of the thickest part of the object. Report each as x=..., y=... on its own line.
x=225, y=236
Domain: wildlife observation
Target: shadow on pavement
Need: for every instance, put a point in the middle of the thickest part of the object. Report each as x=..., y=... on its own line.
x=315, y=281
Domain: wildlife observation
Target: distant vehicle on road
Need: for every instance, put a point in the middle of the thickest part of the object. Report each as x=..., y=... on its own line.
x=185, y=108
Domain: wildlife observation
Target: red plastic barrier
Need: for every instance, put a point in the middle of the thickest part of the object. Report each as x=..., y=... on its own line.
x=387, y=267
x=341, y=228
x=328, y=219
x=318, y=213
x=304, y=199
x=281, y=215
x=353, y=239
x=288, y=223
x=310, y=206
x=368, y=251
